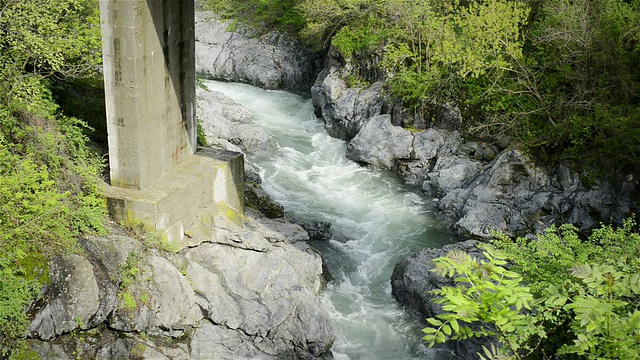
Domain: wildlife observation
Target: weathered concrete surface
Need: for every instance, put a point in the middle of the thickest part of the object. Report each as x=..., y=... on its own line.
x=149, y=75
x=212, y=178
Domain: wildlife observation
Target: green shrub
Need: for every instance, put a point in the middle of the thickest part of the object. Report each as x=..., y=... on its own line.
x=583, y=300
x=263, y=15
x=49, y=190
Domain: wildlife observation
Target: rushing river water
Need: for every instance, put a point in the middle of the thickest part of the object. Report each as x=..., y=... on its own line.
x=376, y=220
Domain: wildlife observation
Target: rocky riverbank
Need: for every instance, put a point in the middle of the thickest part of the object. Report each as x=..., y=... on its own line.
x=477, y=187
x=249, y=291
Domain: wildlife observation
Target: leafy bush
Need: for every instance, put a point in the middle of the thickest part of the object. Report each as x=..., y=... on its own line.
x=582, y=300
x=488, y=296
x=263, y=15
x=49, y=191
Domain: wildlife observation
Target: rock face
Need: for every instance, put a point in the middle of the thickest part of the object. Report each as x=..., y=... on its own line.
x=226, y=122
x=411, y=284
x=344, y=109
x=270, y=61
x=380, y=143
x=248, y=291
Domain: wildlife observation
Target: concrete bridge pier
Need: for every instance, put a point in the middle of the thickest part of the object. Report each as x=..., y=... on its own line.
x=158, y=176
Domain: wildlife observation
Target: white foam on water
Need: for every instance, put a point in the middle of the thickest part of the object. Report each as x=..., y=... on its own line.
x=376, y=220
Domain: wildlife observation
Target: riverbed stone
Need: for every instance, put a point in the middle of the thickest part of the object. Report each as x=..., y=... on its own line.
x=380, y=144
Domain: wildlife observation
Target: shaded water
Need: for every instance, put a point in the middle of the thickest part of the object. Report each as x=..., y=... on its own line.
x=376, y=220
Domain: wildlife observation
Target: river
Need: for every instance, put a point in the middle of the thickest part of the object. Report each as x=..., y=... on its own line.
x=376, y=220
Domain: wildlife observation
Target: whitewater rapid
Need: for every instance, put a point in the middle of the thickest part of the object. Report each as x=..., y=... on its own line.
x=376, y=221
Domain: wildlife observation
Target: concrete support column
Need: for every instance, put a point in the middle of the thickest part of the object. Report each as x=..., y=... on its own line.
x=149, y=75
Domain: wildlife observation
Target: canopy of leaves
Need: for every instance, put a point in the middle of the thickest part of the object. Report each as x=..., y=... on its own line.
x=261, y=15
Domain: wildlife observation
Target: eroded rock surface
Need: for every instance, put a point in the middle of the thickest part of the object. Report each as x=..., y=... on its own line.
x=478, y=187
x=248, y=291
x=270, y=61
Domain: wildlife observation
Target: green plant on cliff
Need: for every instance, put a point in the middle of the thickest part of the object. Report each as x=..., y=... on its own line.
x=489, y=296
x=48, y=179
x=261, y=15
x=560, y=297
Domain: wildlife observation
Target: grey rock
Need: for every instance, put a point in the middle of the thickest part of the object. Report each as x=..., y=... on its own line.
x=451, y=172
x=266, y=295
x=512, y=194
x=257, y=198
x=379, y=143
x=248, y=290
x=111, y=251
x=214, y=342
x=431, y=144
x=224, y=121
x=164, y=300
x=71, y=301
x=172, y=298
x=345, y=109
x=270, y=61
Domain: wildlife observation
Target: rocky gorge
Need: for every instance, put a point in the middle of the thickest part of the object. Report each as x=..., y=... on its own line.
x=250, y=289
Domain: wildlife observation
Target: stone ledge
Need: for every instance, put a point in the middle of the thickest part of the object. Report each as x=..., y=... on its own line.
x=211, y=178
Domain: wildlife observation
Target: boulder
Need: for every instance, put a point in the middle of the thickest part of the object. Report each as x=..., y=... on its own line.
x=268, y=295
x=224, y=121
x=431, y=144
x=345, y=109
x=271, y=61
x=379, y=143
x=71, y=301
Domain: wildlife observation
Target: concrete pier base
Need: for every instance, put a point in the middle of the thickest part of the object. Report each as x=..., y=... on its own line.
x=211, y=179
x=157, y=176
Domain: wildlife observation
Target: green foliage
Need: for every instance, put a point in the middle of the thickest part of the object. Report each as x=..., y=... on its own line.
x=261, y=15
x=83, y=98
x=582, y=300
x=562, y=77
x=606, y=323
x=487, y=295
x=545, y=260
x=349, y=40
x=326, y=20
x=48, y=179
x=201, y=137
x=17, y=289
x=575, y=93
